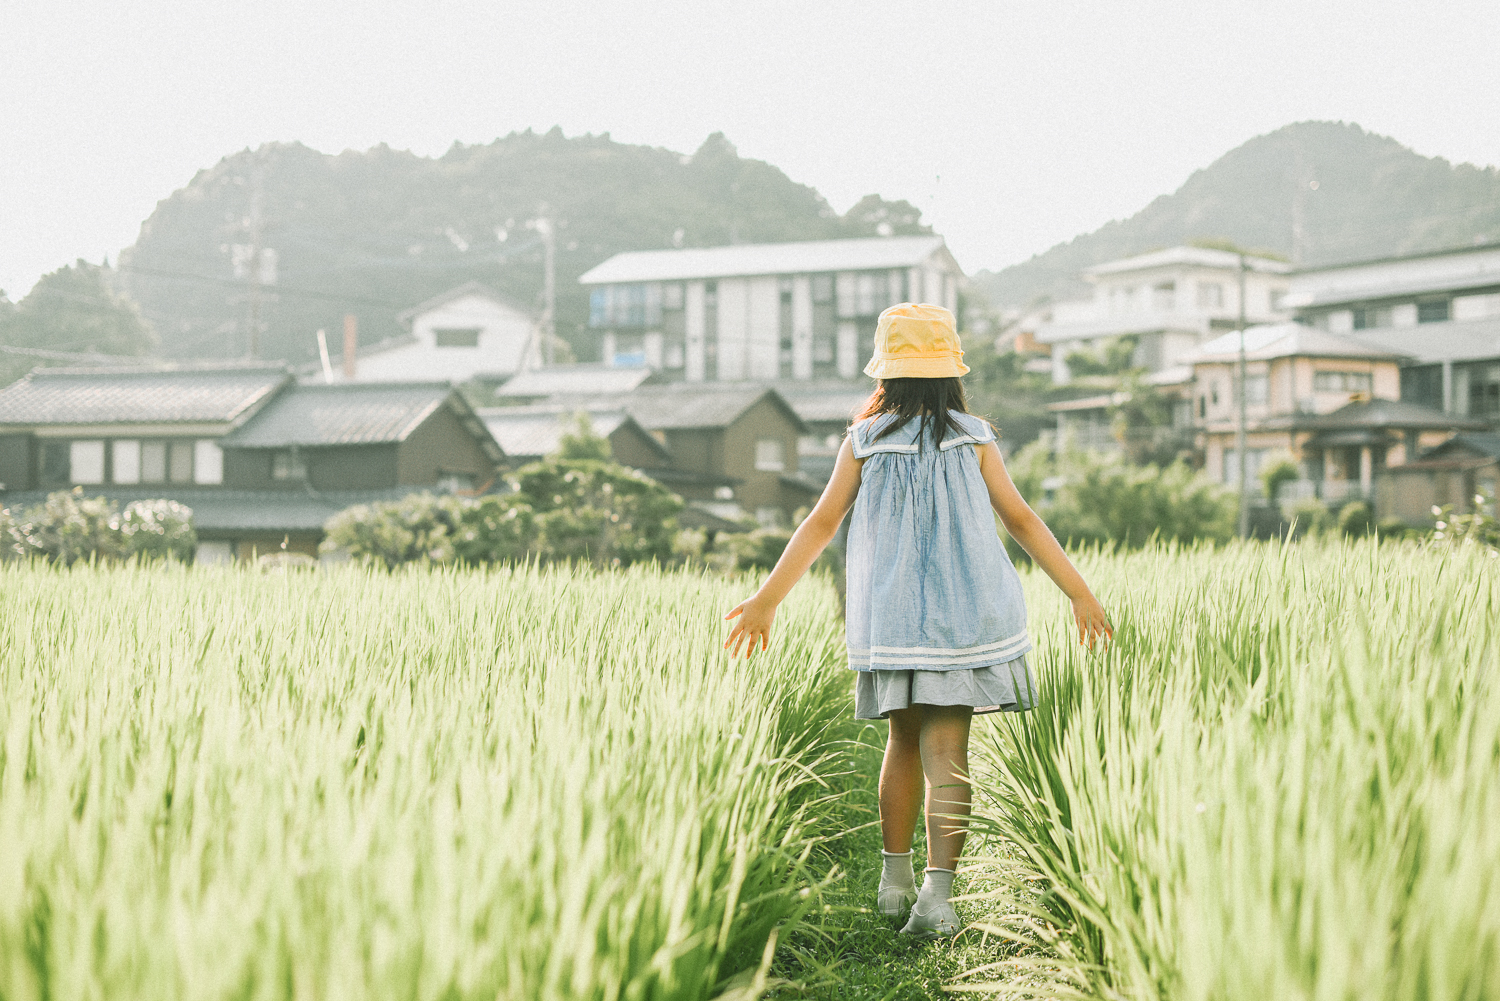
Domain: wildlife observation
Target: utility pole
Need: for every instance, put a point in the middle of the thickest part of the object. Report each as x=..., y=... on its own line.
x=252, y=342
x=1239, y=431
x=544, y=225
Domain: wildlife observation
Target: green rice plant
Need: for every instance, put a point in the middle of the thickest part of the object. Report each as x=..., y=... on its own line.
x=521, y=783
x=1282, y=781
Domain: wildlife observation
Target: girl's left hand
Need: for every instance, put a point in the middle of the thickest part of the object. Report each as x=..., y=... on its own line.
x=1093, y=623
x=755, y=624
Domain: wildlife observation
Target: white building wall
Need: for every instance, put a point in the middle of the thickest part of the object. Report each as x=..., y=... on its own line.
x=763, y=327
x=507, y=344
x=914, y=286
x=695, y=324
x=734, y=335
x=848, y=348
x=802, y=323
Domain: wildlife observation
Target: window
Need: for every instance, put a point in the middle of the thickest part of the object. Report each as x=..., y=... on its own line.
x=1484, y=391
x=1164, y=297
x=153, y=462
x=822, y=288
x=125, y=458
x=1257, y=388
x=770, y=455
x=1432, y=311
x=844, y=295
x=1253, y=459
x=208, y=462
x=1370, y=319
x=180, y=461
x=1341, y=382
x=54, y=463
x=635, y=305
x=288, y=465
x=86, y=461
x=1276, y=297
x=869, y=294
x=456, y=337
x=671, y=296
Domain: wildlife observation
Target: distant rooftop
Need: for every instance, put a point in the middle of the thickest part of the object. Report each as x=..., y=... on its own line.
x=573, y=380
x=1177, y=256
x=1467, y=269
x=342, y=414
x=1454, y=340
x=809, y=257
x=1286, y=340
x=534, y=431
x=687, y=405
x=160, y=394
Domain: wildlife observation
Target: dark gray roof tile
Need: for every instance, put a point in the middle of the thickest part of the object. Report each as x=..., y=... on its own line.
x=341, y=414
x=143, y=395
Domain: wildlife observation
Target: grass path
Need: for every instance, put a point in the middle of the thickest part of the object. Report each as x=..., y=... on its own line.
x=850, y=952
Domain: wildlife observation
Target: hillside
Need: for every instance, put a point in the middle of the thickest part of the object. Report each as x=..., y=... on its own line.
x=1374, y=197
x=378, y=231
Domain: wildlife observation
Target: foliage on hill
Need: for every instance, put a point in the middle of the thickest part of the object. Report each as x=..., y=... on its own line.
x=1374, y=197
x=73, y=311
x=379, y=231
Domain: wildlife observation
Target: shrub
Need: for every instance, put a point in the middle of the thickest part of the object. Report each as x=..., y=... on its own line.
x=492, y=529
x=1479, y=528
x=1356, y=518
x=415, y=528
x=1309, y=516
x=159, y=529
x=598, y=512
x=1099, y=498
x=1277, y=473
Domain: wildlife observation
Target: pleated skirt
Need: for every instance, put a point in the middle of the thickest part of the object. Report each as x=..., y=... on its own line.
x=1007, y=687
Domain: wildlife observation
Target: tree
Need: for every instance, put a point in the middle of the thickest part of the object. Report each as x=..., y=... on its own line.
x=874, y=216
x=74, y=310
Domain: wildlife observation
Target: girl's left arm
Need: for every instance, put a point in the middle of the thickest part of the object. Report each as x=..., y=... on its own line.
x=756, y=613
x=1027, y=529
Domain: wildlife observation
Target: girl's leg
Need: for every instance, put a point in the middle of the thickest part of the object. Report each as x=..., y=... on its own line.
x=945, y=760
x=901, y=780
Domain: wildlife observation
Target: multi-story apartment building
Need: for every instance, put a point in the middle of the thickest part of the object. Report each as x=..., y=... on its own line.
x=764, y=312
x=1170, y=300
x=1440, y=310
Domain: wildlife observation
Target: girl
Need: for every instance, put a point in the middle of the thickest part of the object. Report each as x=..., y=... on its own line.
x=936, y=623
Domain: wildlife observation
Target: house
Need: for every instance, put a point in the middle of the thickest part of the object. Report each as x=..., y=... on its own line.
x=734, y=449
x=1170, y=301
x=1462, y=469
x=467, y=333
x=262, y=462
x=530, y=433
x=1293, y=374
x=1440, y=310
x=769, y=311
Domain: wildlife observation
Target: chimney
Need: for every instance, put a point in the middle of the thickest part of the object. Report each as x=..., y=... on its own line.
x=351, y=345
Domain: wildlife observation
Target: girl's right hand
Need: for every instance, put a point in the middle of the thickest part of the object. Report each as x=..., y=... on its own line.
x=755, y=618
x=1093, y=623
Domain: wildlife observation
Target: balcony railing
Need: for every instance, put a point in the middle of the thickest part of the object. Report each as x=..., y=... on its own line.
x=1327, y=491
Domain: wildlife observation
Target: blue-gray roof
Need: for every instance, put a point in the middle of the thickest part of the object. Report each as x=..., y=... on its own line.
x=145, y=395
x=343, y=414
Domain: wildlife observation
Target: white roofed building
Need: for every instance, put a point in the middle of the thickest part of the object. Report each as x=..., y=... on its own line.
x=467, y=333
x=1441, y=310
x=1170, y=300
x=768, y=312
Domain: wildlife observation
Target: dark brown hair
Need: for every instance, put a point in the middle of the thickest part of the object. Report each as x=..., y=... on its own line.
x=923, y=399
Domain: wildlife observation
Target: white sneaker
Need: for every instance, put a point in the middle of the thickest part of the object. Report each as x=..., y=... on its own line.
x=895, y=901
x=940, y=922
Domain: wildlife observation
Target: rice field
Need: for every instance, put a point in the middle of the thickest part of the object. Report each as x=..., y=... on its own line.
x=1283, y=781
x=518, y=784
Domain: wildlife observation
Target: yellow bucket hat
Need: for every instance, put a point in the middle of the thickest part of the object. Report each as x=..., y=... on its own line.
x=916, y=341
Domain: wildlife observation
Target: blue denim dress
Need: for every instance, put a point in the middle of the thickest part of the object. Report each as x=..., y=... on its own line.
x=935, y=611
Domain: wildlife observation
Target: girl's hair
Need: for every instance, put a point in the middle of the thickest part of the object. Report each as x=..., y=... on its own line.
x=930, y=401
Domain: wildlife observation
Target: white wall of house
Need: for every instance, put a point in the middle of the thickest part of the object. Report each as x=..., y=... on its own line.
x=469, y=336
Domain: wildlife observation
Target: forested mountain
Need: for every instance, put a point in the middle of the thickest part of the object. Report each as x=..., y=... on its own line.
x=1358, y=195
x=378, y=231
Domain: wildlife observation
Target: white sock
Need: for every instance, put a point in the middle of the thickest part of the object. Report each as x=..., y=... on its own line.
x=896, y=871
x=937, y=887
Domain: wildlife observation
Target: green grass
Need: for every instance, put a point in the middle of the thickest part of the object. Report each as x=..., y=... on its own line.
x=1283, y=781
x=433, y=785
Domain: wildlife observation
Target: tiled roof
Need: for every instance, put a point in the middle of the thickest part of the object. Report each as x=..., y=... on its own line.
x=1395, y=415
x=179, y=394
x=1484, y=443
x=342, y=414
x=1454, y=340
x=574, y=380
x=693, y=405
x=1285, y=340
x=528, y=433
x=807, y=257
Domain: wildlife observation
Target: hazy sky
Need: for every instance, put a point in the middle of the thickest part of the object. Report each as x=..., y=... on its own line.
x=1012, y=125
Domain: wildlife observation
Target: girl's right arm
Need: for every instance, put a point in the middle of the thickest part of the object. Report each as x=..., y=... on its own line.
x=1041, y=545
